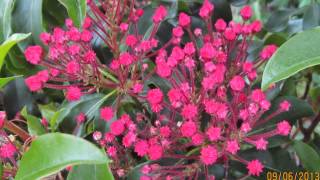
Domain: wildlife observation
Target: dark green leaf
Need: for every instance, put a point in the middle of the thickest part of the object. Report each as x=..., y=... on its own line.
x=6, y=80
x=298, y=53
x=51, y=153
x=278, y=21
x=27, y=17
x=92, y=172
x=8, y=44
x=1, y=170
x=311, y=17
x=76, y=10
x=35, y=127
x=6, y=7
x=310, y=159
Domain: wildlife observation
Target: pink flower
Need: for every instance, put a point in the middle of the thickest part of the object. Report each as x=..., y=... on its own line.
x=285, y=105
x=145, y=178
x=86, y=23
x=208, y=155
x=86, y=36
x=261, y=144
x=283, y=128
x=74, y=49
x=177, y=31
x=175, y=97
x=265, y=104
x=163, y=70
x=7, y=150
x=81, y=117
x=33, y=54
x=106, y=113
x=73, y=67
x=189, y=49
x=245, y=127
x=141, y=147
x=159, y=14
x=73, y=94
x=255, y=167
x=165, y=131
x=237, y=83
x=126, y=59
x=189, y=111
x=155, y=152
x=256, y=26
x=229, y=34
x=137, y=88
x=128, y=139
x=117, y=127
x=89, y=56
x=97, y=135
x=33, y=83
x=257, y=95
x=45, y=38
x=3, y=117
x=207, y=51
x=214, y=133
x=197, y=139
x=154, y=96
x=247, y=67
x=43, y=76
x=124, y=27
x=188, y=128
x=206, y=9
x=232, y=146
x=54, y=72
x=184, y=19
x=268, y=51
x=220, y=25
x=131, y=40
x=112, y=151
x=246, y=12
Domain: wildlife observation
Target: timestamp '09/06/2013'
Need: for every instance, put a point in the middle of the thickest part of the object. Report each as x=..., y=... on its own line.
x=290, y=175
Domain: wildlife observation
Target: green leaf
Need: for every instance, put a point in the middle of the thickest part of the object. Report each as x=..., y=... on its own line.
x=298, y=53
x=7, y=45
x=6, y=7
x=51, y=153
x=310, y=159
x=311, y=17
x=1, y=170
x=76, y=10
x=34, y=125
x=27, y=17
x=92, y=172
x=6, y=80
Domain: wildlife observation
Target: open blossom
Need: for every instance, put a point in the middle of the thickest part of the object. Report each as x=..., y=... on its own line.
x=141, y=147
x=232, y=146
x=246, y=12
x=73, y=94
x=214, y=133
x=261, y=144
x=33, y=54
x=268, y=51
x=188, y=128
x=155, y=152
x=237, y=83
x=117, y=127
x=106, y=113
x=189, y=111
x=283, y=128
x=160, y=14
x=209, y=155
x=255, y=167
x=184, y=19
x=7, y=150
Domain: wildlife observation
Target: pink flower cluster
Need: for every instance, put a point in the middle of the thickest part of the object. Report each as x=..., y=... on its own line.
x=205, y=117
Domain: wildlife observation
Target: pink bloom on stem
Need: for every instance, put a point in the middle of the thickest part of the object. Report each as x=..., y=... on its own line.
x=7, y=150
x=208, y=155
x=86, y=23
x=155, y=152
x=165, y=131
x=159, y=14
x=229, y=34
x=43, y=76
x=285, y=105
x=246, y=12
x=106, y=113
x=177, y=31
x=197, y=139
x=112, y=151
x=255, y=167
x=155, y=96
x=189, y=111
x=128, y=139
x=33, y=54
x=237, y=83
x=81, y=117
x=73, y=94
x=220, y=25
x=283, y=128
x=124, y=27
x=86, y=36
x=90, y=56
x=245, y=127
x=189, y=49
x=207, y=51
x=45, y=38
x=261, y=144
x=137, y=88
x=268, y=51
x=188, y=128
x=214, y=133
x=131, y=40
x=73, y=67
x=3, y=117
x=206, y=9
x=256, y=26
x=117, y=127
x=184, y=19
x=141, y=147
x=257, y=95
x=33, y=83
x=232, y=146
x=126, y=59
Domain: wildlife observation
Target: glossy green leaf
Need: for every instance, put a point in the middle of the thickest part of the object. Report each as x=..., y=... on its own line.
x=76, y=10
x=298, y=53
x=311, y=17
x=7, y=45
x=310, y=159
x=35, y=127
x=51, y=153
x=92, y=172
x=6, y=7
x=6, y=80
x=1, y=170
x=27, y=17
